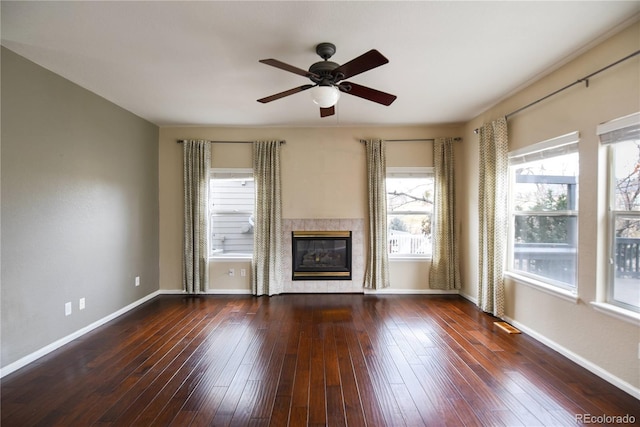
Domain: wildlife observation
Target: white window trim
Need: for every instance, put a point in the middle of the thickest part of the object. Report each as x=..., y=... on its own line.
x=409, y=171
x=409, y=258
x=241, y=171
x=405, y=172
x=556, y=291
x=608, y=305
x=564, y=144
x=619, y=123
x=617, y=312
x=230, y=258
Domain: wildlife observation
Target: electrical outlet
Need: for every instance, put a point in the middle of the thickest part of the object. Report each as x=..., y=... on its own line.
x=243, y=272
x=137, y=280
x=67, y=309
x=232, y=272
x=81, y=304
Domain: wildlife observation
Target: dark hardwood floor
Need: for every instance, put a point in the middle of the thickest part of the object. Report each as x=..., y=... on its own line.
x=306, y=360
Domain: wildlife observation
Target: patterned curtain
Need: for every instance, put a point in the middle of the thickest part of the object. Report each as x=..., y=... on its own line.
x=377, y=272
x=445, y=272
x=492, y=214
x=196, y=161
x=267, y=251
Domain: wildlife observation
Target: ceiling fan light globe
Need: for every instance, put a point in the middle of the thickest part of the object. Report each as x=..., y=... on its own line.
x=325, y=96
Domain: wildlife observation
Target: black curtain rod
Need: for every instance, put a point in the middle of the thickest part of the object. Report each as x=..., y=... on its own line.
x=417, y=140
x=180, y=141
x=584, y=80
x=414, y=140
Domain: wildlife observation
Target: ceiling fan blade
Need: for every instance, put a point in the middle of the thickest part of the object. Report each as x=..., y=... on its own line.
x=362, y=63
x=326, y=112
x=285, y=93
x=367, y=93
x=287, y=67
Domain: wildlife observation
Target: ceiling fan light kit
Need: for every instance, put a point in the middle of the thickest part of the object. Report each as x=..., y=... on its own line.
x=327, y=77
x=325, y=96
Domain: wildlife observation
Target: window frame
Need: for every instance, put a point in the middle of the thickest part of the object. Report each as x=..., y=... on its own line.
x=612, y=216
x=210, y=212
x=606, y=131
x=409, y=171
x=554, y=147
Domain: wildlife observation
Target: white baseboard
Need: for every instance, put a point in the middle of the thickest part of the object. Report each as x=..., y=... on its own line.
x=469, y=298
x=24, y=361
x=588, y=365
x=229, y=292
x=209, y=292
x=396, y=291
x=386, y=291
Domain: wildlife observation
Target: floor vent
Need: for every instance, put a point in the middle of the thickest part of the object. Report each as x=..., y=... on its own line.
x=506, y=327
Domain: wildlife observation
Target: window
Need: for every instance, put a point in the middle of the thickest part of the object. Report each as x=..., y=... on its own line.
x=231, y=201
x=409, y=212
x=543, y=188
x=623, y=139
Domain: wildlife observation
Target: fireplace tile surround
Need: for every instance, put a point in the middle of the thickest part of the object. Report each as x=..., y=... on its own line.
x=356, y=226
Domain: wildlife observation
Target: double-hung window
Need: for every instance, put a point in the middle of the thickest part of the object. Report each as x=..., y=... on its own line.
x=543, y=205
x=231, y=210
x=622, y=137
x=409, y=212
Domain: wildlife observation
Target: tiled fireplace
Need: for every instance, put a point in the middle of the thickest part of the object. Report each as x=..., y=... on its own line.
x=336, y=280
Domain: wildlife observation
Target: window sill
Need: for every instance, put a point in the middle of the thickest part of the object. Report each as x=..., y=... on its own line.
x=565, y=294
x=409, y=258
x=617, y=312
x=230, y=257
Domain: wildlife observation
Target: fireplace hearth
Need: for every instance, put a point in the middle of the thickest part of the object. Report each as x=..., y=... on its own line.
x=321, y=255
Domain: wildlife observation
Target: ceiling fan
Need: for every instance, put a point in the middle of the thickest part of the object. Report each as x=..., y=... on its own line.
x=327, y=78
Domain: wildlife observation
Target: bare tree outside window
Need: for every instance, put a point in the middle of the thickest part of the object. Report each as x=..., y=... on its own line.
x=409, y=210
x=625, y=183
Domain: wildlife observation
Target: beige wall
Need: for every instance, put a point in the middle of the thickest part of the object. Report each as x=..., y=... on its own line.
x=323, y=176
x=600, y=340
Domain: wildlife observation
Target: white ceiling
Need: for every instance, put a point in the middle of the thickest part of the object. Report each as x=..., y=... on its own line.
x=196, y=63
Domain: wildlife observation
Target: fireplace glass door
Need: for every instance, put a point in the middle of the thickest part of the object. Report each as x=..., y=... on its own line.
x=321, y=255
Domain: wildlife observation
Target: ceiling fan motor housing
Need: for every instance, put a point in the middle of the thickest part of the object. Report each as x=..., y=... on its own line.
x=323, y=69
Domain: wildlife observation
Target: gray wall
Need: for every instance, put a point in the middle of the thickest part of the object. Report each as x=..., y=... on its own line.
x=79, y=207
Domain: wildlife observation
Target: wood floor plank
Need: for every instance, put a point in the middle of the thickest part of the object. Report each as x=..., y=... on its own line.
x=352, y=399
x=282, y=403
x=270, y=379
x=300, y=390
x=232, y=397
x=305, y=360
x=242, y=414
x=317, y=395
x=373, y=413
x=335, y=400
